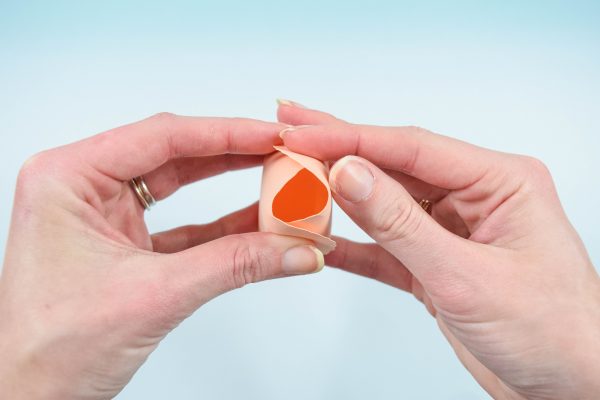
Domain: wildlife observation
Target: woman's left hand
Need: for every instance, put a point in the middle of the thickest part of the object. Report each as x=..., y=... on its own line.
x=85, y=294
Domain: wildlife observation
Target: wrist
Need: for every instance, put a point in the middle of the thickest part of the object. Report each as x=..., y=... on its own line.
x=25, y=375
x=581, y=344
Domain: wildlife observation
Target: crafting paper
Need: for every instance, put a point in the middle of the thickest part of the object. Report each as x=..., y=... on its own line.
x=295, y=198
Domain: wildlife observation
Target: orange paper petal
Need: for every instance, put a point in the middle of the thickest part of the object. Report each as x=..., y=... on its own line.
x=295, y=198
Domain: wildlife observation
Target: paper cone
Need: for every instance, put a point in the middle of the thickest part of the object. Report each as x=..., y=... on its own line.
x=295, y=198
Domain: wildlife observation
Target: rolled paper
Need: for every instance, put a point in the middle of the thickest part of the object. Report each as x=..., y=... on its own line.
x=295, y=198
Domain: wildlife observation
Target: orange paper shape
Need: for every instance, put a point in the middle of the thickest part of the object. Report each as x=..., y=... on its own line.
x=295, y=198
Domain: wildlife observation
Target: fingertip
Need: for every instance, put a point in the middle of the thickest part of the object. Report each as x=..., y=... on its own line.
x=293, y=113
x=302, y=260
x=287, y=111
x=320, y=258
x=291, y=131
x=286, y=114
x=288, y=103
x=352, y=179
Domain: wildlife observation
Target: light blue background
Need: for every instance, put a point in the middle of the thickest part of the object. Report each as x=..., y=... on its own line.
x=507, y=75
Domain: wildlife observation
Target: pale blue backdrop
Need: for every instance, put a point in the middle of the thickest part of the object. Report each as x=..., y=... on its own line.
x=510, y=75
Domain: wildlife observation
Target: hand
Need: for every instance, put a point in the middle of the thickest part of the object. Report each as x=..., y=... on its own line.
x=85, y=296
x=497, y=263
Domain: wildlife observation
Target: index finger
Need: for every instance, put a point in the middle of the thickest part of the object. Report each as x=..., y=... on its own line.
x=439, y=160
x=135, y=149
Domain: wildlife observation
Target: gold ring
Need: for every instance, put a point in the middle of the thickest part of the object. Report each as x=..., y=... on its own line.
x=143, y=194
x=426, y=205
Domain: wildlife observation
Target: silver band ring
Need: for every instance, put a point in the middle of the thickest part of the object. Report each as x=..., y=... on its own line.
x=143, y=194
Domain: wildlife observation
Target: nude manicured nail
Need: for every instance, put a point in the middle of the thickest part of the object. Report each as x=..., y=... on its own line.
x=291, y=129
x=302, y=260
x=351, y=179
x=284, y=102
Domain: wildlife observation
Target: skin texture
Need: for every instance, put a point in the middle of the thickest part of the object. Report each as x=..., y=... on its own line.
x=86, y=293
x=497, y=263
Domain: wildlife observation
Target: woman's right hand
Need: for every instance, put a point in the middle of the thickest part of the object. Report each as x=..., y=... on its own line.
x=497, y=263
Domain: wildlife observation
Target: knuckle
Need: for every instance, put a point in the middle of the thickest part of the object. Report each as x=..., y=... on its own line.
x=247, y=263
x=189, y=233
x=33, y=169
x=372, y=268
x=417, y=130
x=397, y=221
x=164, y=117
x=166, y=123
x=415, y=135
x=237, y=120
x=535, y=165
x=36, y=162
x=536, y=171
x=181, y=175
x=356, y=132
x=165, y=120
x=227, y=129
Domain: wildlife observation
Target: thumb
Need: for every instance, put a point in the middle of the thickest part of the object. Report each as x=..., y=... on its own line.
x=203, y=272
x=387, y=212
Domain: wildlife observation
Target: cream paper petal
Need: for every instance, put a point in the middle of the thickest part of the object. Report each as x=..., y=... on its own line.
x=279, y=168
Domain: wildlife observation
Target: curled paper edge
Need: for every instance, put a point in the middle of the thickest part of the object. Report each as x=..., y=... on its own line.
x=279, y=168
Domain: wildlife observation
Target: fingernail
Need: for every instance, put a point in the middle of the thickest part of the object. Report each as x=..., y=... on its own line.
x=291, y=129
x=302, y=260
x=284, y=102
x=351, y=179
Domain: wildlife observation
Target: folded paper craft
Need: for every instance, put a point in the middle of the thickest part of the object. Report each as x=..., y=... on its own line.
x=295, y=198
